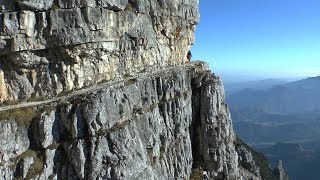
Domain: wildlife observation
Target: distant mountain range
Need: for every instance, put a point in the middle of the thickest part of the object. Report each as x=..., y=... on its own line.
x=232, y=87
x=260, y=134
x=282, y=120
x=288, y=98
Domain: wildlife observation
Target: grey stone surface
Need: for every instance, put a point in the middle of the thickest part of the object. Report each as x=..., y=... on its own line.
x=116, y=5
x=155, y=126
x=13, y=140
x=212, y=119
x=35, y=4
x=49, y=132
x=26, y=163
x=7, y=5
x=280, y=172
x=51, y=163
x=47, y=48
x=246, y=160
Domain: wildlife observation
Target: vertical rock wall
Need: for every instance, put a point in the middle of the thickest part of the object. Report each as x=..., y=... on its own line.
x=47, y=47
x=213, y=133
x=159, y=125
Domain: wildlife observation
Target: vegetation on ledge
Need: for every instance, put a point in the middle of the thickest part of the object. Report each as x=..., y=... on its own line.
x=260, y=159
x=23, y=116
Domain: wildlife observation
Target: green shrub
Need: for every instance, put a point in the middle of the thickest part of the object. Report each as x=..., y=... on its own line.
x=36, y=168
x=162, y=150
x=10, y=102
x=152, y=159
x=129, y=7
x=103, y=81
x=197, y=174
x=36, y=98
x=63, y=104
x=23, y=116
x=54, y=146
x=131, y=81
x=54, y=7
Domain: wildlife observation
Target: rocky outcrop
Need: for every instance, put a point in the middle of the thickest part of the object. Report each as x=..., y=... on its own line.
x=211, y=118
x=246, y=160
x=49, y=47
x=279, y=172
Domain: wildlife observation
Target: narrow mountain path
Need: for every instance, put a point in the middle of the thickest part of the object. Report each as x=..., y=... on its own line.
x=94, y=88
x=61, y=98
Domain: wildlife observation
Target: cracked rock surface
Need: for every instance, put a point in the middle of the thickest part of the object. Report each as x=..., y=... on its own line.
x=49, y=47
x=154, y=116
x=155, y=126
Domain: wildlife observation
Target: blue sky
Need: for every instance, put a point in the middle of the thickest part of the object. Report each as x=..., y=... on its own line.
x=259, y=38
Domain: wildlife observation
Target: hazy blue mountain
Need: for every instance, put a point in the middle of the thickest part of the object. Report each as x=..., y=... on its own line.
x=256, y=133
x=282, y=121
x=232, y=87
x=258, y=115
x=294, y=97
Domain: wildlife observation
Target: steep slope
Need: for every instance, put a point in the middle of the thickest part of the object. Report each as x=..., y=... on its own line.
x=104, y=92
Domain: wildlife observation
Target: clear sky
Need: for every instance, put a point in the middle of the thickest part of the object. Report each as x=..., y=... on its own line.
x=264, y=38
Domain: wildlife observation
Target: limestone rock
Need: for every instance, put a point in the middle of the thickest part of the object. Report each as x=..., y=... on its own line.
x=51, y=162
x=116, y=5
x=25, y=166
x=246, y=160
x=49, y=47
x=35, y=4
x=155, y=126
x=13, y=140
x=279, y=172
x=75, y=3
x=49, y=130
x=211, y=118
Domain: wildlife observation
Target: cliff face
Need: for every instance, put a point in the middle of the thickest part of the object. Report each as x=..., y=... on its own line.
x=147, y=113
x=48, y=47
x=155, y=126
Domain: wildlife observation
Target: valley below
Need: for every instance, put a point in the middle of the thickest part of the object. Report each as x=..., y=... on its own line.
x=269, y=120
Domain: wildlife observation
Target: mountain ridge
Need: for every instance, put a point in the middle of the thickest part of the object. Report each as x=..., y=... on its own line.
x=280, y=99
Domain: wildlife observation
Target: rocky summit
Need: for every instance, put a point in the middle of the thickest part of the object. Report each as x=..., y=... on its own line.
x=102, y=89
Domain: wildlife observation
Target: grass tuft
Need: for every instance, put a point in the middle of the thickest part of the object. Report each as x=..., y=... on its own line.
x=197, y=174
x=23, y=116
x=130, y=81
x=37, y=167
